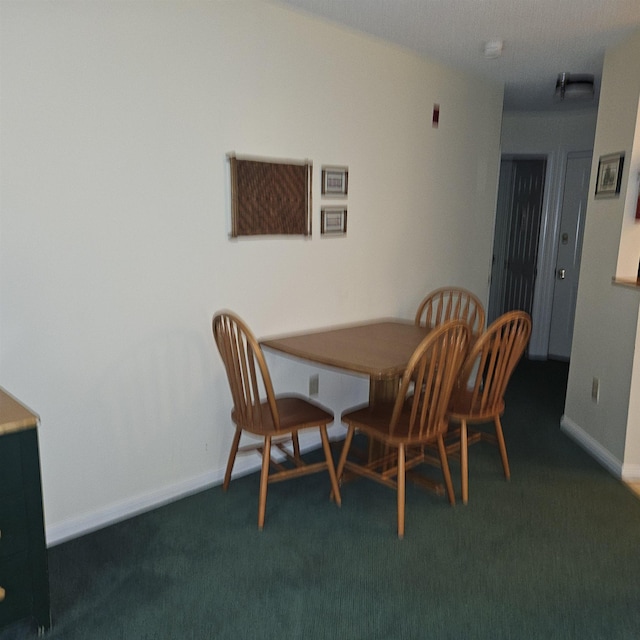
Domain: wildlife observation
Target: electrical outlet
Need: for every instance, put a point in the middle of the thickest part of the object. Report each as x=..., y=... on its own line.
x=314, y=384
x=595, y=390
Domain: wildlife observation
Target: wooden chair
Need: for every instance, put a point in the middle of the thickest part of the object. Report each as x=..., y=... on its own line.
x=449, y=303
x=415, y=419
x=478, y=396
x=271, y=418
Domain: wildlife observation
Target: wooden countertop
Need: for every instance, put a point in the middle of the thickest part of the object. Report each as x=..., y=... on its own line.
x=14, y=416
x=629, y=283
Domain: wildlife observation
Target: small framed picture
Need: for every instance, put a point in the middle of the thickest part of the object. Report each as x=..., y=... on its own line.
x=609, y=175
x=333, y=221
x=335, y=182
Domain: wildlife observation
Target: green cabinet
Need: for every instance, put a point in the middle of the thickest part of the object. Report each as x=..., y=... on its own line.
x=24, y=576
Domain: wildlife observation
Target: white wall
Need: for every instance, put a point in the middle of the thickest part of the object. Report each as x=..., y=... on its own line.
x=539, y=132
x=606, y=327
x=116, y=121
x=553, y=135
x=629, y=250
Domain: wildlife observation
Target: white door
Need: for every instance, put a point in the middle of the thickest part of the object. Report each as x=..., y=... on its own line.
x=565, y=290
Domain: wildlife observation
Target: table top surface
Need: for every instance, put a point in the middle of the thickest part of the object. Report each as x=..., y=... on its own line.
x=377, y=348
x=14, y=416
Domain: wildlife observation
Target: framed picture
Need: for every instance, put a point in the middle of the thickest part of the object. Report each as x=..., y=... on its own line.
x=333, y=221
x=335, y=181
x=609, y=175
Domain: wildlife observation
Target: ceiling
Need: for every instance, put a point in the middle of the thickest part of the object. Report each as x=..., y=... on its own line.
x=541, y=38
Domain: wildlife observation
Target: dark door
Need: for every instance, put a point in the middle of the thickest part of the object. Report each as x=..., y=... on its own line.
x=525, y=213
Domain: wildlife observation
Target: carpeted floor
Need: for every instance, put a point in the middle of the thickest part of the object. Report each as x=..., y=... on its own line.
x=554, y=553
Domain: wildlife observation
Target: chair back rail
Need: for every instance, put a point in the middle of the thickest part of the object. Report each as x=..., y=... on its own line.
x=449, y=303
x=246, y=369
x=491, y=361
x=421, y=404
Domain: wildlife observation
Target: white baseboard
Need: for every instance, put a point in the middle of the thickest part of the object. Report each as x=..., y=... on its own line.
x=592, y=446
x=94, y=520
x=88, y=522
x=631, y=472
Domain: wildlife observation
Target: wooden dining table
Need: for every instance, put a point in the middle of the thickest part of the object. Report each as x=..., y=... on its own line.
x=379, y=349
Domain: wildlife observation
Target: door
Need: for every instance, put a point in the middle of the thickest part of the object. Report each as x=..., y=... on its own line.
x=565, y=290
x=499, y=259
x=522, y=236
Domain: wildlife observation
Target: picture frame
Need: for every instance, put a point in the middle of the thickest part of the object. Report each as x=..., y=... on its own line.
x=609, y=175
x=333, y=221
x=335, y=182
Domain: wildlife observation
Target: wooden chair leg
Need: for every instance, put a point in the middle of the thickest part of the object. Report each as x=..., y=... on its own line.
x=502, y=447
x=345, y=452
x=401, y=490
x=296, y=445
x=444, y=463
x=232, y=459
x=335, y=490
x=264, y=481
x=464, y=462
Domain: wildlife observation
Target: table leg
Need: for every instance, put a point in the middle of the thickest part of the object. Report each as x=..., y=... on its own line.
x=384, y=390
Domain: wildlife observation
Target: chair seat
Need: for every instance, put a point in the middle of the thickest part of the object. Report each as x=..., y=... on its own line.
x=374, y=420
x=462, y=406
x=296, y=413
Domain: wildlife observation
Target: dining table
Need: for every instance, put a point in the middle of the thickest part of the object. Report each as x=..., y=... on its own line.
x=379, y=349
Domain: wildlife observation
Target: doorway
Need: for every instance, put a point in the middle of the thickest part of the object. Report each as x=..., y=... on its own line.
x=517, y=230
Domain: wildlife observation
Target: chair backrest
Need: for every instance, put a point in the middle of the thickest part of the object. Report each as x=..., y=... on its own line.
x=491, y=360
x=421, y=405
x=451, y=303
x=246, y=369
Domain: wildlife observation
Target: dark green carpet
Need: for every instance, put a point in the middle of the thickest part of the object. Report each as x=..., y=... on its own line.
x=554, y=553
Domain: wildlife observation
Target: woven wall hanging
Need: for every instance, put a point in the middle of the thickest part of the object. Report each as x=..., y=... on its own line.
x=270, y=197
